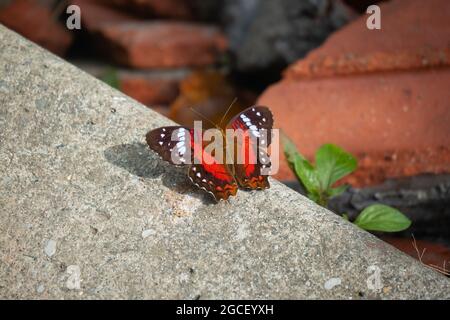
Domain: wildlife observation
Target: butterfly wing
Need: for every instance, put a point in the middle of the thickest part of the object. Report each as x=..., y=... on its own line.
x=176, y=145
x=173, y=144
x=213, y=178
x=256, y=123
x=211, y=174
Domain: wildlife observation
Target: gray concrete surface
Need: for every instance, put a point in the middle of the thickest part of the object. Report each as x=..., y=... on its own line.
x=87, y=211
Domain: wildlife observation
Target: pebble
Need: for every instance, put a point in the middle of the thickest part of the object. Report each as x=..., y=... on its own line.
x=50, y=248
x=40, y=288
x=147, y=233
x=40, y=103
x=331, y=283
x=74, y=280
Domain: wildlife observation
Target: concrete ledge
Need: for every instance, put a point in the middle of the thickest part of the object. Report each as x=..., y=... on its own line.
x=87, y=211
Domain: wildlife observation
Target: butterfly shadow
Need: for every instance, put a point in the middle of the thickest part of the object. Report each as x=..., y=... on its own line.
x=138, y=160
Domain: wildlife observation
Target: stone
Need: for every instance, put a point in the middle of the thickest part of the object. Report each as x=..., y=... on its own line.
x=422, y=198
x=35, y=22
x=331, y=283
x=395, y=123
x=162, y=44
x=413, y=35
x=118, y=188
x=147, y=233
x=73, y=281
x=40, y=288
x=50, y=248
x=266, y=36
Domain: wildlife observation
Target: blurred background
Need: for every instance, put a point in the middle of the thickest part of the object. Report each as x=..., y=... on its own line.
x=383, y=95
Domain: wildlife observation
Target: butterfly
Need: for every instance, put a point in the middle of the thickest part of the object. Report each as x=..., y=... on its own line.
x=211, y=171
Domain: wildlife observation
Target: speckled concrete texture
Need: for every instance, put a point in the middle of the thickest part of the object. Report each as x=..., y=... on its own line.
x=87, y=211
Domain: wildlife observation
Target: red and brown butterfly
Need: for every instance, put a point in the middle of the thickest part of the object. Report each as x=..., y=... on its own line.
x=214, y=175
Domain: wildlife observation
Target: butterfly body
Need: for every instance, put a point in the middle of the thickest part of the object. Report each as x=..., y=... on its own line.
x=221, y=172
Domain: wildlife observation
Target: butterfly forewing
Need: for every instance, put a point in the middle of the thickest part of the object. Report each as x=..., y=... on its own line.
x=256, y=122
x=176, y=144
x=172, y=143
x=253, y=119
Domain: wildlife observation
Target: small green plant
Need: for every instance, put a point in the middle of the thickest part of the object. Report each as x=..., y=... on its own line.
x=332, y=164
x=110, y=77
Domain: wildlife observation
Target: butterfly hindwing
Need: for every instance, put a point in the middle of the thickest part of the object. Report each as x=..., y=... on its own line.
x=211, y=174
x=213, y=178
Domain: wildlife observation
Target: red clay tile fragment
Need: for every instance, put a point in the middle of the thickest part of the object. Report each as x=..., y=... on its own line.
x=163, y=44
x=414, y=34
x=37, y=23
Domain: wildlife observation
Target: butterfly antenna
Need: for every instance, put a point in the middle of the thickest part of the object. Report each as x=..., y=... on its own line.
x=226, y=112
x=203, y=117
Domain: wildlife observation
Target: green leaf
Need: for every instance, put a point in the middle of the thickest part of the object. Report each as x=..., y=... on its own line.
x=314, y=196
x=307, y=175
x=345, y=216
x=333, y=192
x=332, y=164
x=111, y=77
x=290, y=150
x=379, y=217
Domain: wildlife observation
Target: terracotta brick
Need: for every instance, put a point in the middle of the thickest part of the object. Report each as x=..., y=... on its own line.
x=96, y=13
x=179, y=9
x=36, y=22
x=414, y=34
x=150, y=90
x=435, y=254
x=396, y=123
x=210, y=93
x=162, y=44
x=150, y=87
